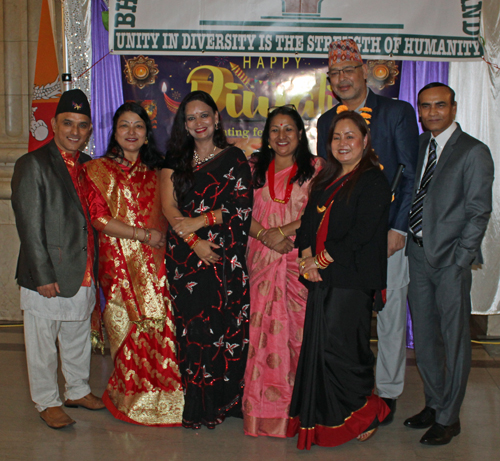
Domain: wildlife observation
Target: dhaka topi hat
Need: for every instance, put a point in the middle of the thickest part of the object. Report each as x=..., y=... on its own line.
x=343, y=50
x=74, y=101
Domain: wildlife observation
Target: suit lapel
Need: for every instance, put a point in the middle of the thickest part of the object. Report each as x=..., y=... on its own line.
x=63, y=173
x=446, y=153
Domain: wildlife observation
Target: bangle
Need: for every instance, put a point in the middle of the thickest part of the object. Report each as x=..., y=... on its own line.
x=147, y=236
x=198, y=240
x=134, y=233
x=210, y=218
x=321, y=261
x=258, y=234
x=192, y=240
x=281, y=231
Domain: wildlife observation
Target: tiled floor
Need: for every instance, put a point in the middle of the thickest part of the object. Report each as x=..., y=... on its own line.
x=98, y=436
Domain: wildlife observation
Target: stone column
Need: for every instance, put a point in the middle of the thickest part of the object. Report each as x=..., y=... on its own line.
x=19, y=22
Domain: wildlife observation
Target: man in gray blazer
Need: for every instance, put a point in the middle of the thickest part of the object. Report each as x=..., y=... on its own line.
x=57, y=261
x=450, y=210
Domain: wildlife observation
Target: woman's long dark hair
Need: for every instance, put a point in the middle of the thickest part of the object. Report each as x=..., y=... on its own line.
x=333, y=168
x=180, y=146
x=265, y=155
x=150, y=155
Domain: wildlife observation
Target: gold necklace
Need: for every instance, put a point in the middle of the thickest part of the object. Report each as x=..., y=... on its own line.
x=198, y=161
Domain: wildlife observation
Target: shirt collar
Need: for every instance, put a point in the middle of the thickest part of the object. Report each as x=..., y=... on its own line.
x=442, y=138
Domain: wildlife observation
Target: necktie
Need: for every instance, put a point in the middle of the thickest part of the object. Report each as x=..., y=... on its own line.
x=418, y=204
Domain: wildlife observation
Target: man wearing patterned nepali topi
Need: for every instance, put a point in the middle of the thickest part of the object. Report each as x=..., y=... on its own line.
x=56, y=267
x=394, y=132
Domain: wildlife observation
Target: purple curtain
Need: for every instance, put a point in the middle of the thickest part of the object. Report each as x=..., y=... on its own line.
x=106, y=88
x=414, y=76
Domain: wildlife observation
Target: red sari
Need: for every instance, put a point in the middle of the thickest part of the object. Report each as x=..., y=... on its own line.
x=145, y=386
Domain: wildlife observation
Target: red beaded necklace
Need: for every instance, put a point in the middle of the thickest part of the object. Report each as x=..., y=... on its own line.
x=289, y=187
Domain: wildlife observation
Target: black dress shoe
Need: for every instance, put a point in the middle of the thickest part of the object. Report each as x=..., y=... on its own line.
x=391, y=403
x=440, y=435
x=426, y=418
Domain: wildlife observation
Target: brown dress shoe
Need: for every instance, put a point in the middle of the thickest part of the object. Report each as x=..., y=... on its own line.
x=55, y=418
x=90, y=402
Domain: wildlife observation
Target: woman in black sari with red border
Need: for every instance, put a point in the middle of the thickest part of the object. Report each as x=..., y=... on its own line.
x=343, y=242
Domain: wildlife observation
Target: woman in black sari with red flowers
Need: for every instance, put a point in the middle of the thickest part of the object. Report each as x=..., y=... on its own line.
x=207, y=199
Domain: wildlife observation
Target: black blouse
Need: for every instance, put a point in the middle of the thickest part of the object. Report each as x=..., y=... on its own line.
x=357, y=232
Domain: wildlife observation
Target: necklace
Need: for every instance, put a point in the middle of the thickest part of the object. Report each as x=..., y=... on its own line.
x=198, y=161
x=289, y=187
x=343, y=180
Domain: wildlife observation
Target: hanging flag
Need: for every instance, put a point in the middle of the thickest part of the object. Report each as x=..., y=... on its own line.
x=47, y=86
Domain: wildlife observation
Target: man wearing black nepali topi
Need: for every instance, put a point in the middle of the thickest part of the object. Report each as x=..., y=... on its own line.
x=56, y=265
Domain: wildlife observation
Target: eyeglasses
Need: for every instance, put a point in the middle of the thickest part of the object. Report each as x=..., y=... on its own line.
x=288, y=106
x=347, y=71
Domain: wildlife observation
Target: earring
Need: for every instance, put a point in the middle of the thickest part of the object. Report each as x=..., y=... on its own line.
x=270, y=148
x=146, y=142
x=216, y=126
x=187, y=133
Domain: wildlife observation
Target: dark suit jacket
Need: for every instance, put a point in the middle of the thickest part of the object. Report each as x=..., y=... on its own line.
x=50, y=221
x=457, y=205
x=394, y=131
x=357, y=233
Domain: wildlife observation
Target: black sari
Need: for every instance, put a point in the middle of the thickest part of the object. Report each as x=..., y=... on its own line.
x=333, y=400
x=211, y=303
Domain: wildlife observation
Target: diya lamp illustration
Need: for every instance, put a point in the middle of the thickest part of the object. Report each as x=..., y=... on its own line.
x=171, y=104
x=141, y=71
x=381, y=73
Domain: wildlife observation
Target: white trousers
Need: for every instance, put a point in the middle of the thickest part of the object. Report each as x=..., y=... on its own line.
x=391, y=330
x=73, y=338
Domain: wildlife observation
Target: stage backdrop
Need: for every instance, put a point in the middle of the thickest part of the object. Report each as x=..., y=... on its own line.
x=402, y=29
x=242, y=88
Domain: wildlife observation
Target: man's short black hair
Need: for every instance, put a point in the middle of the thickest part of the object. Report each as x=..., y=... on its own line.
x=435, y=85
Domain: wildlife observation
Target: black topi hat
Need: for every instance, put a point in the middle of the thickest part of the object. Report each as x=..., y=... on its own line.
x=74, y=101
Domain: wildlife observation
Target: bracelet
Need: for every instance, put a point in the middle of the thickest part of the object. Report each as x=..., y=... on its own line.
x=210, y=218
x=281, y=232
x=258, y=234
x=192, y=240
x=214, y=218
x=147, y=236
x=321, y=261
x=198, y=240
x=189, y=237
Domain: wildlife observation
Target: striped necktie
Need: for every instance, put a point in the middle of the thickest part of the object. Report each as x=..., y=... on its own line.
x=418, y=204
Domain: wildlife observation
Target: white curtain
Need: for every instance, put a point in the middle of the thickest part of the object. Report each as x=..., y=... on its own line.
x=477, y=85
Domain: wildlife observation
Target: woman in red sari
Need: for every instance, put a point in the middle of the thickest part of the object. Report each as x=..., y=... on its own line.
x=282, y=171
x=124, y=203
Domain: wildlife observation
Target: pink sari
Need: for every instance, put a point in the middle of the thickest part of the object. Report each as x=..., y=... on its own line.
x=277, y=306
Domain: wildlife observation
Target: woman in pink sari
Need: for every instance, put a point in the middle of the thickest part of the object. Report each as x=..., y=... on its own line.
x=282, y=170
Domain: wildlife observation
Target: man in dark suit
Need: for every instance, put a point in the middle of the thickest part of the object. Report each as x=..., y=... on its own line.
x=56, y=266
x=450, y=210
x=394, y=131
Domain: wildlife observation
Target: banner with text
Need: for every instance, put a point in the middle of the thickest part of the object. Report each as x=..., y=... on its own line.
x=441, y=30
x=242, y=88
